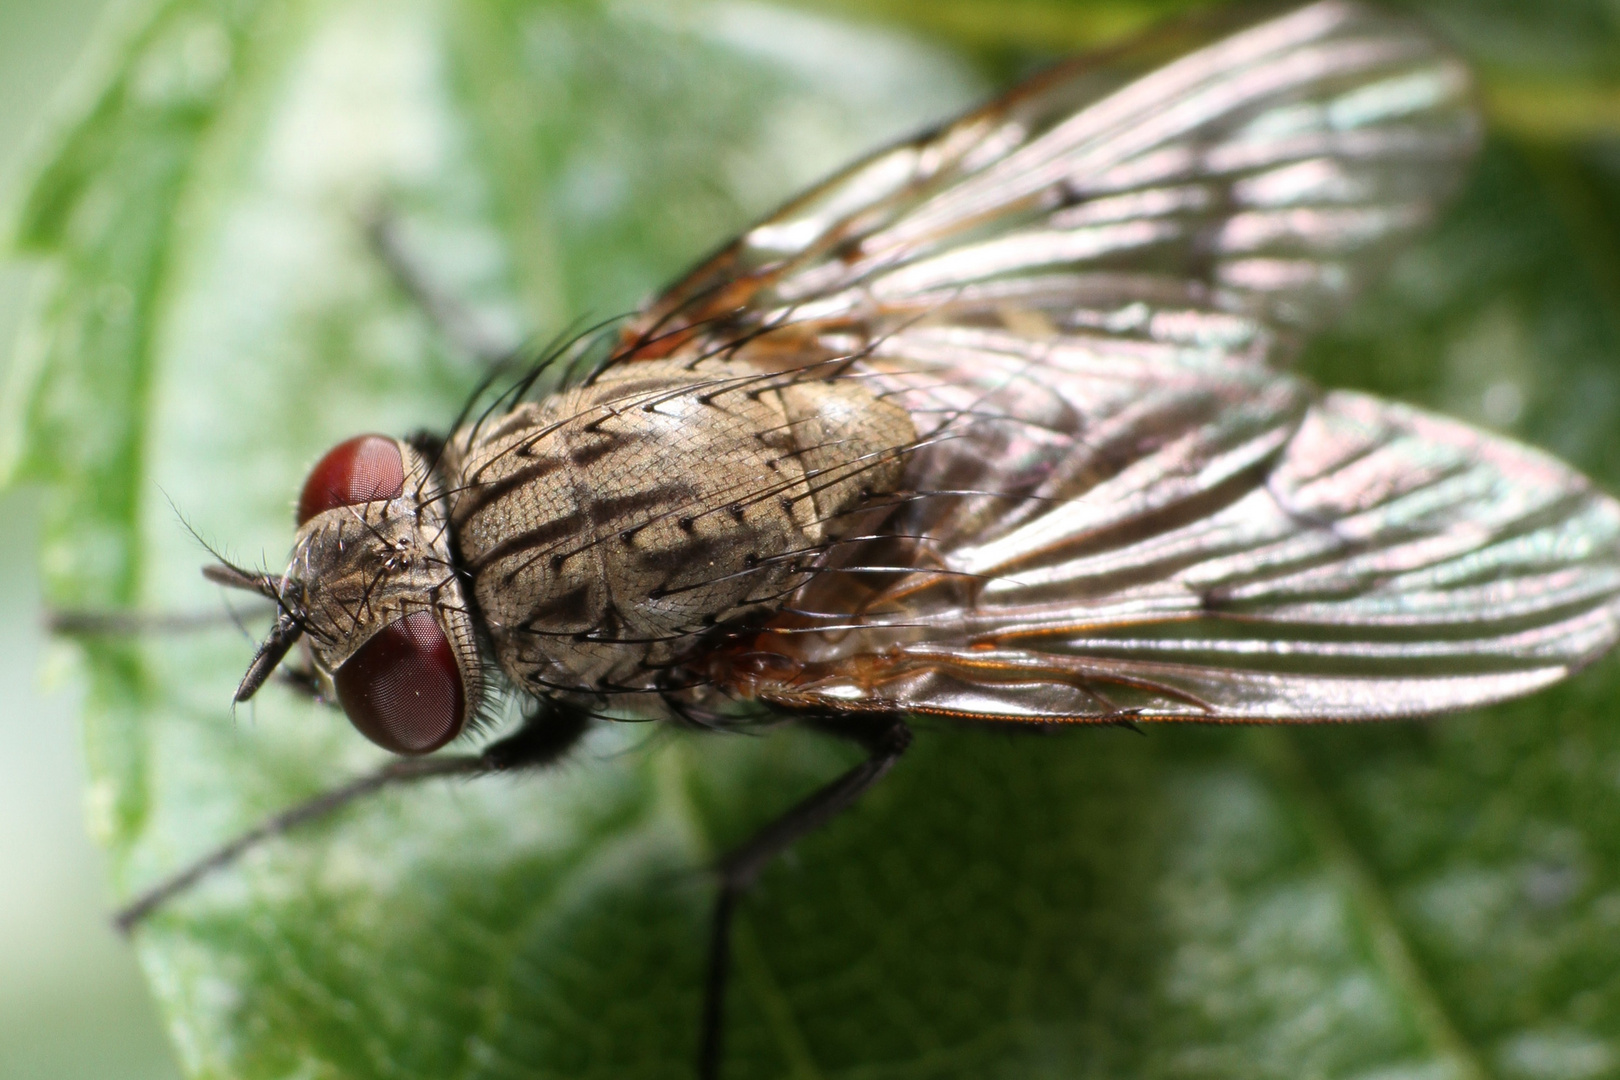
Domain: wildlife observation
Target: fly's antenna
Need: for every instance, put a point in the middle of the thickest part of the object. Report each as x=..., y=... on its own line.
x=290, y=624
x=261, y=582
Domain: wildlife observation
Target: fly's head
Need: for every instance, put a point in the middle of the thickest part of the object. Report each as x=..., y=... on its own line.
x=372, y=591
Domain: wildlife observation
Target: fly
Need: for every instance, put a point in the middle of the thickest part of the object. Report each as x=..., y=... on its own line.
x=996, y=425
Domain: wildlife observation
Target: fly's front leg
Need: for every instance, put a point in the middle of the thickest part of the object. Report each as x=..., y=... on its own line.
x=80, y=622
x=85, y=623
x=885, y=741
x=303, y=680
x=546, y=735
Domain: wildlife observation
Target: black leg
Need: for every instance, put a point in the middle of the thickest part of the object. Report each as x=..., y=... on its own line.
x=544, y=737
x=302, y=680
x=458, y=325
x=742, y=865
x=77, y=622
x=81, y=623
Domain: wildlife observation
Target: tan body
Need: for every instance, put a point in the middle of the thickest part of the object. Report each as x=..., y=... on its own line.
x=1067, y=319
x=608, y=527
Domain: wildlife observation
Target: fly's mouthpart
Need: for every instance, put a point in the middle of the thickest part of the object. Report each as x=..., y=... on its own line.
x=282, y=637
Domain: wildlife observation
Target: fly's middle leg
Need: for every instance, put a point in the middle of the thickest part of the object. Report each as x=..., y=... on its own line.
x=885, y=739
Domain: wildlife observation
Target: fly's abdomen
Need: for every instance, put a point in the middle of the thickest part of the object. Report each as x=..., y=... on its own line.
x=610, y=526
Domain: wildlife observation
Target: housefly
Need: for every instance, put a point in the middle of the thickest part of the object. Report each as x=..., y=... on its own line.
x=995, y=425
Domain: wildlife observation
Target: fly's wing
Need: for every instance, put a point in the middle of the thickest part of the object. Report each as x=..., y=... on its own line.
x=1118, y=506
x=1274, y=168
x=1143, y=527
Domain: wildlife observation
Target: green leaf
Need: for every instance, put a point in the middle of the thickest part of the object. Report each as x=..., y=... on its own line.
x=1426, y=900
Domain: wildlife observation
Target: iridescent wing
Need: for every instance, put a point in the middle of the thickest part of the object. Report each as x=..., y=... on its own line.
x=1167, y=532
x=1119, y=506
x=1275, y=167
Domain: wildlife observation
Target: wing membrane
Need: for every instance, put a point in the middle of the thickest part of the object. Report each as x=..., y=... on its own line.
x=1277, y=166
x=1210, y=544
x=1119, y=506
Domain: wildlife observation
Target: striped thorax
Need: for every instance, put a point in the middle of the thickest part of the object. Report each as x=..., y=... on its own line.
x=605, y=529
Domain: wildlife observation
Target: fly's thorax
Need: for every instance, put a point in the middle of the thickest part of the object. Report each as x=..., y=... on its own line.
x=358, y=569
x=609, y=527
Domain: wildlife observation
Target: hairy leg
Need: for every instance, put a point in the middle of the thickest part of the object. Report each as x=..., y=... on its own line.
x=885, y=742
x=83, y=623
x=456, y=323
x=545, y=736
x=78, y=622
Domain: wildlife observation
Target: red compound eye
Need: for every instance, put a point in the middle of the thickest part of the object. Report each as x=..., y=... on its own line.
x=402, y=688
x=365, y=468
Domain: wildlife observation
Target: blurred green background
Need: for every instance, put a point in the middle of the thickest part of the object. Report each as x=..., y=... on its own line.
x=72, y=1003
